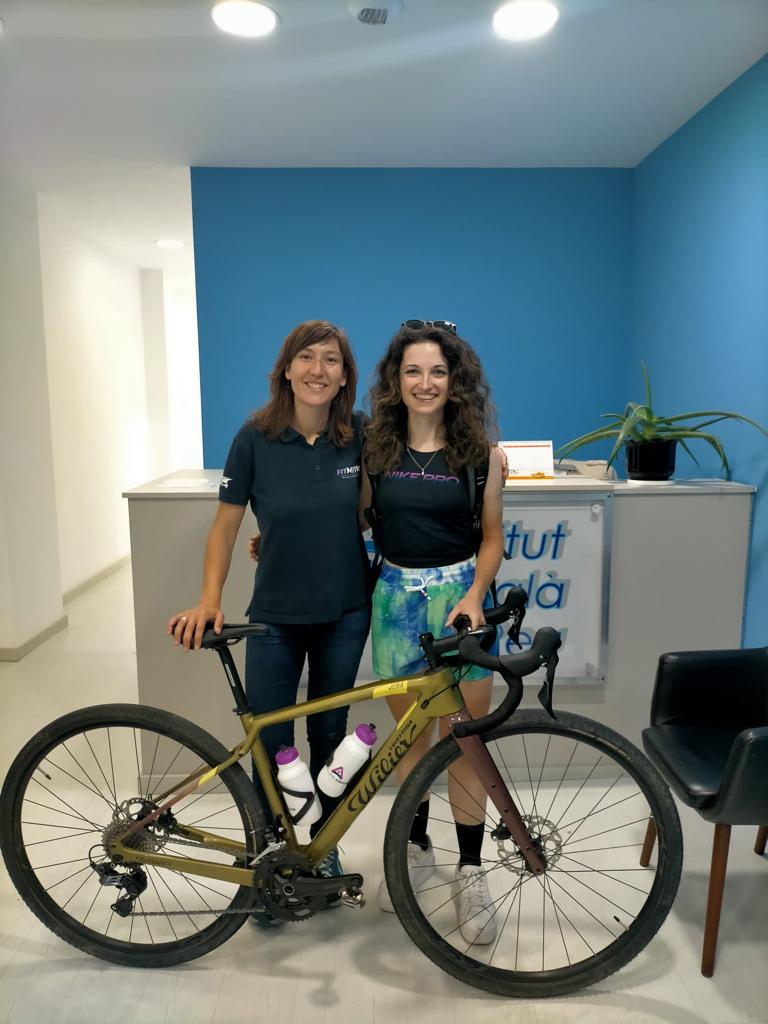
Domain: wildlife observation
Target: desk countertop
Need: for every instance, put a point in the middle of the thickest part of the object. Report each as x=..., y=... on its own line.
x=198, y=484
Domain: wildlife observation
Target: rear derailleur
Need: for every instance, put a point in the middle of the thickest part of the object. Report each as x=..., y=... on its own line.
x=132, y=881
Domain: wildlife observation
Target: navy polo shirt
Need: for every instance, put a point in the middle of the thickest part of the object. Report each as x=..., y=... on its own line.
x=312, y=562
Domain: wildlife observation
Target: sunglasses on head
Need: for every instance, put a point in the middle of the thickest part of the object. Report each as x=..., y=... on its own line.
x=419, y=325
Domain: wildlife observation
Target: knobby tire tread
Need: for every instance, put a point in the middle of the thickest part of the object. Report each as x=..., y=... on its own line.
x=208, y=748
x=562, y=981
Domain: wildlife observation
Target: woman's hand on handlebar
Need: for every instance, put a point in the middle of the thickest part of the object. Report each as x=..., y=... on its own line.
x=472, y=607
x=187, y=627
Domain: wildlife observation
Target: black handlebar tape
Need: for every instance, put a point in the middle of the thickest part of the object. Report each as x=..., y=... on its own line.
x=462, y=622
x=511, y=667
x=499, y=715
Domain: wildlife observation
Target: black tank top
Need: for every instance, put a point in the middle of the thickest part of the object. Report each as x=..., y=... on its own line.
x=426, y=520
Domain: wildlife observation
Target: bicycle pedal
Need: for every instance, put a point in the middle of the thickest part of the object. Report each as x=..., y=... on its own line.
x=353, y=899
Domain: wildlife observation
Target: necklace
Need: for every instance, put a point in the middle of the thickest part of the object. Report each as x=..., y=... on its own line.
x=422, y=469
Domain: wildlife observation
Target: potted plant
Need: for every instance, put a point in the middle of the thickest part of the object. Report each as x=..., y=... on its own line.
x=650, y=440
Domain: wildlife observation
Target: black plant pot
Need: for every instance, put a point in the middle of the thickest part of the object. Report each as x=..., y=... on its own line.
x=650, y=460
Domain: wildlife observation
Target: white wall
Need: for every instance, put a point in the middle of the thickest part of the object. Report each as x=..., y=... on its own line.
x=94, y=336
x=155, y=371
x=30, y=586
x=185, y=416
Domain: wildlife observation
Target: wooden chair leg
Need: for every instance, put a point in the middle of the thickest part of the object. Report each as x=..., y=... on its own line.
x=720, y=846
x=648, y=843
x=762, y=839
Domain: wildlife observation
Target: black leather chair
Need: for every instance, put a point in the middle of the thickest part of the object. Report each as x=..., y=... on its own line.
x=709, y=739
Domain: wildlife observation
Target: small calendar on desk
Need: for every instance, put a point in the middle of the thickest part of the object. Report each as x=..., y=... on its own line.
x=529, y=460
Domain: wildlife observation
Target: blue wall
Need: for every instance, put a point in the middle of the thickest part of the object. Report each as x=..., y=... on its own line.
x=700, y=297
x=533, y=265
x=562, y=279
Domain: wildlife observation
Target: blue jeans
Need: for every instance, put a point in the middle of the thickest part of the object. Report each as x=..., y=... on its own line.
x=273, y=667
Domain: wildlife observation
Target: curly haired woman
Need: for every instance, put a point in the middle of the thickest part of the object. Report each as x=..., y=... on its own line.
x=432, y=426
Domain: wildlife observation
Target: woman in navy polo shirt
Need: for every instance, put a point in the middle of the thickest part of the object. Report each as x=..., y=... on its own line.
x=297, y=462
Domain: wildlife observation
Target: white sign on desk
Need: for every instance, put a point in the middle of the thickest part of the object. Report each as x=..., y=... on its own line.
x=557, y=555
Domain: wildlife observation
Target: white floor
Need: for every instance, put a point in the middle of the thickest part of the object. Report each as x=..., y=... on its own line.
x=345, y=965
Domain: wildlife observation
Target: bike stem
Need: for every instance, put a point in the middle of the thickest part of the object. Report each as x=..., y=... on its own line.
x=473, y=748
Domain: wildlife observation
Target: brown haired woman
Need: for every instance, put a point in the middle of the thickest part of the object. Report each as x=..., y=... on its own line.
x=297, y=462
x=432, y=424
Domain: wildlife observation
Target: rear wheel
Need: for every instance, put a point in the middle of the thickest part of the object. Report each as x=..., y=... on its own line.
x=76, y=784
x=586, y=795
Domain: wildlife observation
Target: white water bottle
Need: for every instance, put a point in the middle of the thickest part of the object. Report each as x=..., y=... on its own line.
x=296, y=783
x=353, y=751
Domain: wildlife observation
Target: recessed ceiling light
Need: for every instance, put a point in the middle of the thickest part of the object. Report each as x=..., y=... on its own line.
x=525, y=19
x=244, y=18
x=169, y=243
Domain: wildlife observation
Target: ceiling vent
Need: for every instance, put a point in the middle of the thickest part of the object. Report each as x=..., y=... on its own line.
x=378, y=15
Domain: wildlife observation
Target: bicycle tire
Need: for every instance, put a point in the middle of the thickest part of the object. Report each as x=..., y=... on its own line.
x=50, y=752
x=536, y=730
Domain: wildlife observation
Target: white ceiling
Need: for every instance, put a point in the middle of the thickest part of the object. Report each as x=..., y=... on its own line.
x=105, y=103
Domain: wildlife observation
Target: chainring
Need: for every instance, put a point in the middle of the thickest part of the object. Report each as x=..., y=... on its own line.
x=273, y=879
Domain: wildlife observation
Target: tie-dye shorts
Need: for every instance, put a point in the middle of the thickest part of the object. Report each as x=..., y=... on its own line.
x=408, y=602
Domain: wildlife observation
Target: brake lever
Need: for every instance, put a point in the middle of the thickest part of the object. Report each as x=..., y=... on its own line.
x=547, y=687
x=514, y=627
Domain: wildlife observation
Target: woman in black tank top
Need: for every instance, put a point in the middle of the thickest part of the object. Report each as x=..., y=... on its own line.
x=432, y=424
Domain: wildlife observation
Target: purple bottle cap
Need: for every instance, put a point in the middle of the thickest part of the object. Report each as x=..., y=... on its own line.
x=366, y=734
x=286, y=755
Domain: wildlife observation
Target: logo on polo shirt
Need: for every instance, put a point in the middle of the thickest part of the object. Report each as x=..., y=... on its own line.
x=348, y=472
x=224, y=482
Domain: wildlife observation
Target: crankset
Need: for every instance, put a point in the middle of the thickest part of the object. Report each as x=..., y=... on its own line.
x=289, y=889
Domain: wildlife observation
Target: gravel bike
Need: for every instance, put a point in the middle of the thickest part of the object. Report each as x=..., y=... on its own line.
x=137, y=837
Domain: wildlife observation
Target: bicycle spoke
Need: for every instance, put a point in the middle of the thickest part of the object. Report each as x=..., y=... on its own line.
x=159, y=783
x=88, y=789
x=516, y=891
x=152, y=767
x=75, y=812
x=160, y=901
x=583, y=795
x=98, y=765
x=87, y=774
x=112, y=764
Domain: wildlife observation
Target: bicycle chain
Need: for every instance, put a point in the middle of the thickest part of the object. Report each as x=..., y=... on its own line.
x=208, y=913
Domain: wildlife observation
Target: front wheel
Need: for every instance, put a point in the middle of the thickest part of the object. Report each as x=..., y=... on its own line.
x=76, y=785
x=585, y=794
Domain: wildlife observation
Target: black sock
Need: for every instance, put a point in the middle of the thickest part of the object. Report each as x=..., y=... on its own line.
x=419, y=825
x=470, y=843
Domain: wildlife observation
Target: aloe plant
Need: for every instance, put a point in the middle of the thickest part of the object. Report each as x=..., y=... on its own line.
x=638, y=422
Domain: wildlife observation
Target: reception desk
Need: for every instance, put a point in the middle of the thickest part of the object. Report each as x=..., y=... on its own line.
x=625, y=570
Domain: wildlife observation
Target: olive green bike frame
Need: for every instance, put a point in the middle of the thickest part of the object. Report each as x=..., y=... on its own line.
x=435, y=695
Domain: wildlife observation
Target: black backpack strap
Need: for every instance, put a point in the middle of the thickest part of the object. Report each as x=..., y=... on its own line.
x=373, y=518
x=477, y=478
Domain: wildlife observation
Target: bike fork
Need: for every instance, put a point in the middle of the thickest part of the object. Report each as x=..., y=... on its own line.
x=476, y=753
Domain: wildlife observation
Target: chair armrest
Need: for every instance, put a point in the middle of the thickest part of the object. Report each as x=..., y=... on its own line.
x=743, y=796
x=712, y=688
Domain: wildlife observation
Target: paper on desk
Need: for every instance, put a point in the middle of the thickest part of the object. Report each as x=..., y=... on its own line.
x=529, y=460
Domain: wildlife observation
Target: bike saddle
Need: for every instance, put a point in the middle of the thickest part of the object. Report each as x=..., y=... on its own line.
x=232, y=633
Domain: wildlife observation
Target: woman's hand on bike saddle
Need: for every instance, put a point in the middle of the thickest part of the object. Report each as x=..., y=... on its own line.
x=187, y=627
x=254, y=546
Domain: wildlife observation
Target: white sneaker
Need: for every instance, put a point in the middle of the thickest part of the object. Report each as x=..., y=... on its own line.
x=474, y=910
x=421, y=866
